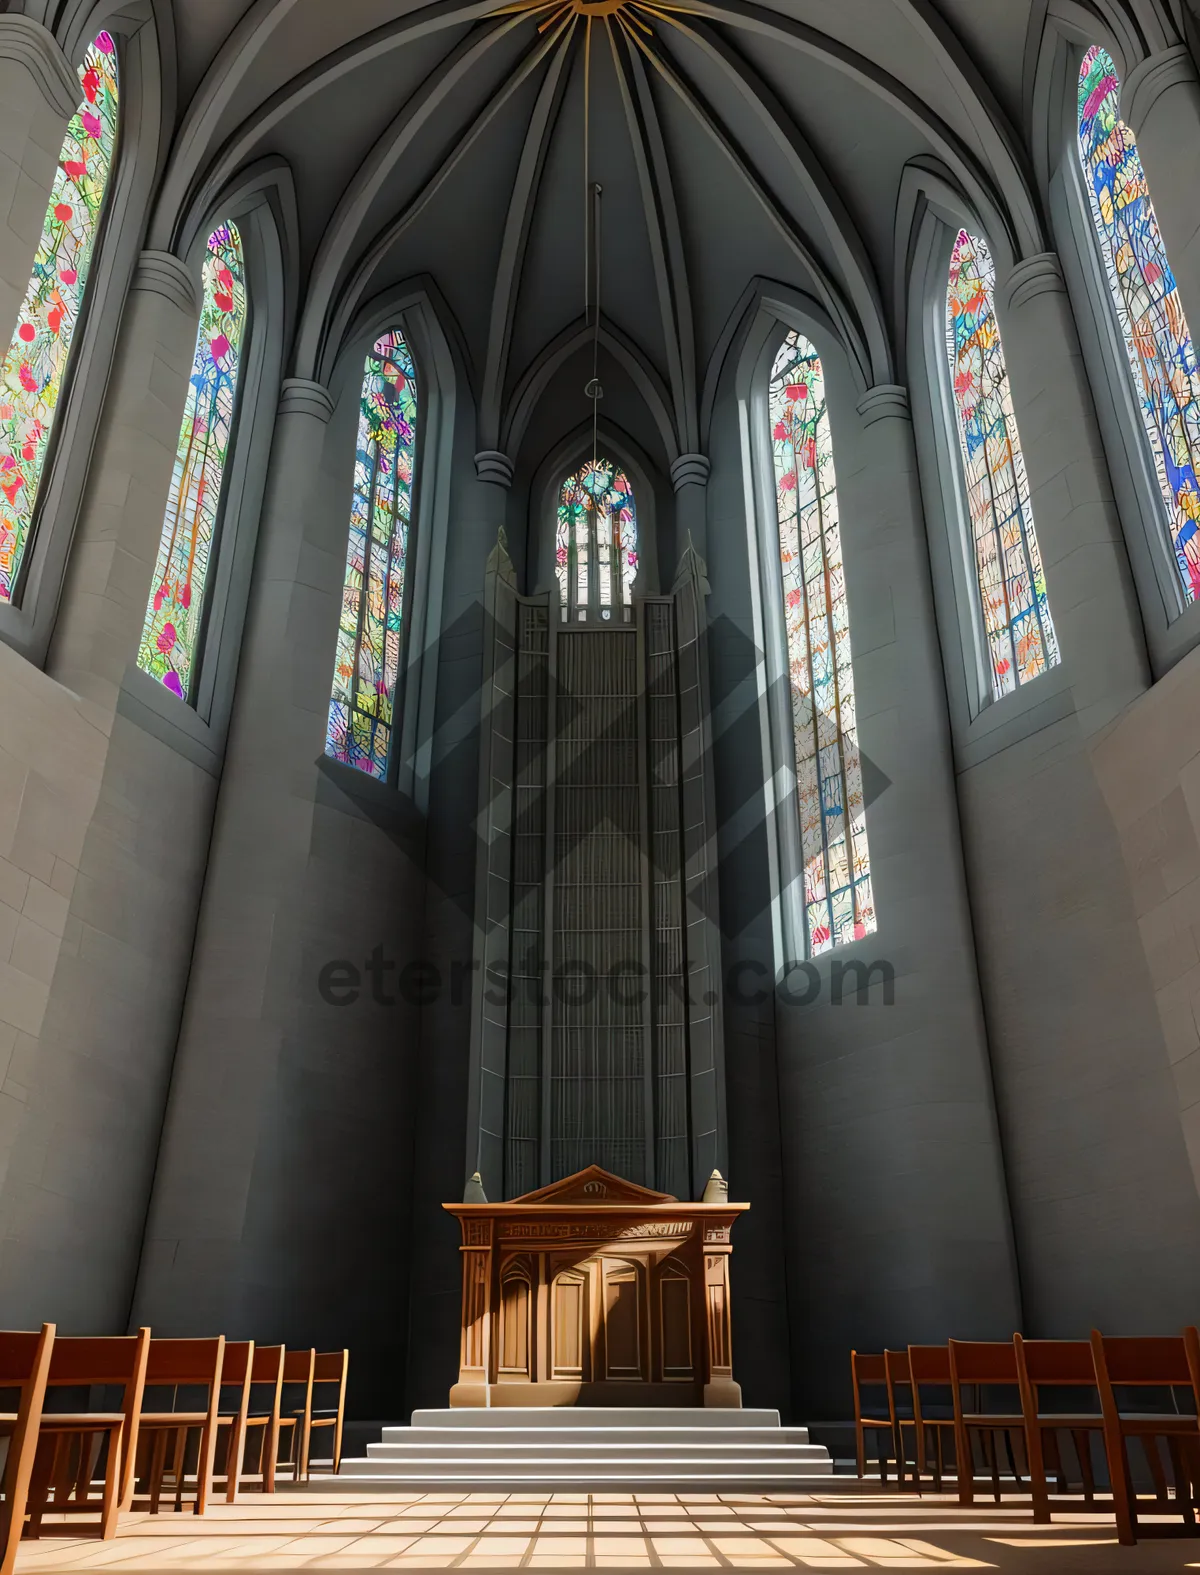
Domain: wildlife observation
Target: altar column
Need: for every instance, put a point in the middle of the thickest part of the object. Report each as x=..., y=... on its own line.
x=38, y=95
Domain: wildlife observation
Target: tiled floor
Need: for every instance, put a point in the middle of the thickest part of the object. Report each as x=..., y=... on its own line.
x=562, y=1531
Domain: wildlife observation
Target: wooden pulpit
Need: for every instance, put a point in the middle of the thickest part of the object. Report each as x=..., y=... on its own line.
x=594, y=1291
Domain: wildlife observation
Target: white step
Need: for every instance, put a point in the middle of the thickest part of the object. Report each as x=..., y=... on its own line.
x=601, y=1438
x=575, y=1416
x=507, y=1448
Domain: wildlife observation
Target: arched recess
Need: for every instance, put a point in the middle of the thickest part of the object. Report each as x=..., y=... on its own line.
x=418, y=310
x=932, y=211
x=145, y=49
x=515, y=1357
x=262, y=204
x=613, y=443
x=1068, y=29
x=773, y=316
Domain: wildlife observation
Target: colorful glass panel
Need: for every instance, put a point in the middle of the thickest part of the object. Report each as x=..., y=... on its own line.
x=597, y=529
x=34, y=371
x=1008, y=565
x=1148, y=307
x=839, y=903
x=361, y=711
x=174, y=617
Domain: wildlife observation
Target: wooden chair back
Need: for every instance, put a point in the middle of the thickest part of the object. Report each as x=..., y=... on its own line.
x=176, y=1364
x=869, y=1370
x=24, y=1366
x=1054, y=1364
x=982, y=1362
x=237, y=1370
x=185, y=1364
x=928, y=1364
x=265, y=1417
x=1062, y=1364
x=1147, y=1362
x=298, y=1368
x=108, y=1361
x=330, y=1371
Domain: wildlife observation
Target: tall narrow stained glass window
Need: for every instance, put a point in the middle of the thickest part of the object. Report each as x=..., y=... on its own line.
x=1008, y=565
x=839, y=904
x=171, y=634
x=362, y=707
x=1149, y=311
x=596, y=547
x=34, y=371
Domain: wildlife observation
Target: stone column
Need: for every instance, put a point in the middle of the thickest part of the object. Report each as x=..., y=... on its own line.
x=120, y=527
x=245, y=985
x=1092, y=600
x=38, y=95
x=1160, y=99
x=689, y=476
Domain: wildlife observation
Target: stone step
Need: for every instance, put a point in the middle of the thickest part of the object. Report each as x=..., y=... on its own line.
x=577, y=1416
x=606, y=1438
x=788, y=1483
x=802, y=1457
x=588, y=1468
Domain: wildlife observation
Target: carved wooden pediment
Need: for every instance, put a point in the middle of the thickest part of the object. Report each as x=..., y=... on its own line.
x=595, y=1186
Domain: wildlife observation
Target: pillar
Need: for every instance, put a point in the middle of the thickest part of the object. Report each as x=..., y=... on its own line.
x=1092, y=600
x=38, y=95
x=120, y=526
x=246, y=986
x=1160, y=99
x=689, y=477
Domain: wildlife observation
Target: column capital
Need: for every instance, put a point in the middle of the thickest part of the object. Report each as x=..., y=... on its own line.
x=302, y=397
x=1040, y=274
x=36, y=48
x=1150, y=79
x=690, y=470
x=886, y=401
x=162, y=273
x=491, y=465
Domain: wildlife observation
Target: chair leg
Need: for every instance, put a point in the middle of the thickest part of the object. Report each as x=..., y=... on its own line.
x=937, y=1459
x=110, y=1502
x=1122, y=1487
x=39, y=1484
x=158, y=1459
x=1083, y=1451
x=1183, y=1490
x=1037, y=1474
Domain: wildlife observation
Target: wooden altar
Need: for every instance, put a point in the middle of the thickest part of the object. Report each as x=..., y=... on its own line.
x=594, y=1291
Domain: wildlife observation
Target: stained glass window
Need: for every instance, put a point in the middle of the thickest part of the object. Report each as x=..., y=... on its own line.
x=839, y=905
x=1148, y=307
x=174, y=617
x=34, y=371
x=361, y=711
x=597, y=541
x=1008, y=564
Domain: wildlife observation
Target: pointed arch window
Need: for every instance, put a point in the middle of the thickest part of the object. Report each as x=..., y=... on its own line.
x=362, y=706
x=839, y=902
x=1149, y=312
x=34, y=373
x=174, y=622
x=596, y=547
x=1008, y=565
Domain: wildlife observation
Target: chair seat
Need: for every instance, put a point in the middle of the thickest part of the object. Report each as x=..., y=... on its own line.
x=174, y=1418
x=1062, y=1419
x=79, y=1421
x=1148, y=1422
x=993, y=1419
x=878, y=1421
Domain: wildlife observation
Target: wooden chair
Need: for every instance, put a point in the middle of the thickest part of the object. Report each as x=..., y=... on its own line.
x=900, y=1410
x=70, y=1442
x=174, y=1365
x=237, y=1367
x=329, y=1374
x=1056, y=1364
x=298, y=1377
x=1152, y=1362
x=24, y=1366
x=929, y=1368
x=871, y=1372
x=263, y=1420
x=980, y=1365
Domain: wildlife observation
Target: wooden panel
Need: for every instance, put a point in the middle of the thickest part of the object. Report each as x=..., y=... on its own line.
x=622, y=1321
x=515, y=1307
x=675, y=1324
x=568, y=1320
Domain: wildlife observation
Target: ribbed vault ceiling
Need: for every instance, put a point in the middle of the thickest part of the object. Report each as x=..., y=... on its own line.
x=733, y=140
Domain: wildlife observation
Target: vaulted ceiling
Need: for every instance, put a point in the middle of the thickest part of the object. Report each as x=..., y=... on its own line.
x=733, y=140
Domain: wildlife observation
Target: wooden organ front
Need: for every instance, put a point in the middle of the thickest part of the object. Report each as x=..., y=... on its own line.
x=596, y=1291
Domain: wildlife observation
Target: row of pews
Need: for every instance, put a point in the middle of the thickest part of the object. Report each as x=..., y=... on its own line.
x=110, y=1423
x=1005, y=1409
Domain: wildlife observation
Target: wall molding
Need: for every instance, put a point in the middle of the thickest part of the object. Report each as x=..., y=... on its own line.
x=34, y=47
